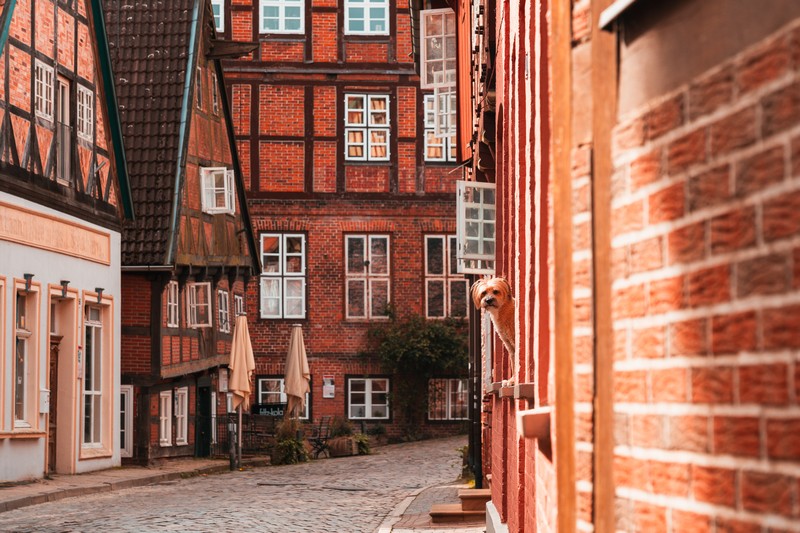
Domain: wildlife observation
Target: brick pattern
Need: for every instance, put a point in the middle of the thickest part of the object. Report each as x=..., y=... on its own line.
x=706, y=307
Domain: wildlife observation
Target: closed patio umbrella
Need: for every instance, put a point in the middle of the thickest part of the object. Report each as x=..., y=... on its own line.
x=296, y=380
x=240, y=367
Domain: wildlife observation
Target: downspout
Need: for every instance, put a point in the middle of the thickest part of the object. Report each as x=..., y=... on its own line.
x=9, y=12
x=185, y=107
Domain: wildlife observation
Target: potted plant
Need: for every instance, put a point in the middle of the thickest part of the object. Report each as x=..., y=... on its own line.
x=342, y=441
x=289, y=446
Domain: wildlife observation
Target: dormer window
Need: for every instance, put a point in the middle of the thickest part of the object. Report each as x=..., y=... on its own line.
x=217, y=186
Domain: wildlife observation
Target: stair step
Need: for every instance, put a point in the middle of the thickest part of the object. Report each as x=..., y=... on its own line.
x=474, y=499
x=452, y=512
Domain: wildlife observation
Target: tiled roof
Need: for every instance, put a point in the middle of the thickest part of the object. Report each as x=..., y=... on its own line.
x=149, y=43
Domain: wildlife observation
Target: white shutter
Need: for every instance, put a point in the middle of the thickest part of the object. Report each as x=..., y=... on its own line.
x=476, y=227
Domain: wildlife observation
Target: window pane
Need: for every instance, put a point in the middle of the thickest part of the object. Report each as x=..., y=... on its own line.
x=270, y=297
x=380, y=385
x=358, y=385
x=358, y=398
x=380, y=411
x=379, y=255
x=435, y=298
x=453, y=245
x=380, y=297
x=356, y=296
x=435, y=255
x=358, y=411
x=458, y=298
x=355, y=143
x=355, y=255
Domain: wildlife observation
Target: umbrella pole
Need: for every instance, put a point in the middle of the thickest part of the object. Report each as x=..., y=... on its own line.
x=239, y=440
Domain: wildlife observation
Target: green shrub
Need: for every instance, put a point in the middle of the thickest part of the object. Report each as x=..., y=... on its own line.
x=341, y=427
x=289, y=447
x=363, y=443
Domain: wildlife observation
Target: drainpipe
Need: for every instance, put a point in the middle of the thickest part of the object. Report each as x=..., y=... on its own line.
x=6, y=24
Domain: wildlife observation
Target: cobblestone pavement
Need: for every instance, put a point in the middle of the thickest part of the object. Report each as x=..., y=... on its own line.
x=341, y=495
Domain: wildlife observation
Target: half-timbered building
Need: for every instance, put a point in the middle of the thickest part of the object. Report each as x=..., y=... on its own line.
x=187, y=257
x=63, y=196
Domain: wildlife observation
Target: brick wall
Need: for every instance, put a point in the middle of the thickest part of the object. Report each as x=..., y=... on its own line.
x=706, y=299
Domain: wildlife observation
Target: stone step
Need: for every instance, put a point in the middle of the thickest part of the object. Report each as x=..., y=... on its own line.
x=452, y=512
x=474, y=499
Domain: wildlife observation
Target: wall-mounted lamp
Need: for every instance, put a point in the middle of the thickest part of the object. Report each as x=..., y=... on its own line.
x=28, y=279
x=99, y=291
x=64, y=286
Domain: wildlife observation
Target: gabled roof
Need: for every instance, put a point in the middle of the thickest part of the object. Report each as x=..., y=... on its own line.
x=152, y=43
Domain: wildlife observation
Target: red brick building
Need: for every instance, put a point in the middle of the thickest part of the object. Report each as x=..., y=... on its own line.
x=349, y=189
x=647, y=190
x=188, y=255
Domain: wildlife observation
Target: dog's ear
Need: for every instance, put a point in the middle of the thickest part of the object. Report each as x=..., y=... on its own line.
x=506, y=285
x=476, y=293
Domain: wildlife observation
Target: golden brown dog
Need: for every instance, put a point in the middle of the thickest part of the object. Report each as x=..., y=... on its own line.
x=494, y=295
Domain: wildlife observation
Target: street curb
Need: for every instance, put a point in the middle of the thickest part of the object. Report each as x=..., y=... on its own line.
x=397, y=513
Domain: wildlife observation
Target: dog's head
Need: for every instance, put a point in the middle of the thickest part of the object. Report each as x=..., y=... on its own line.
x=491, y=293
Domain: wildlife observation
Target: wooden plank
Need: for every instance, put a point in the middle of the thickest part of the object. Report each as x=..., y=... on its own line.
x=604, y=111
x=561, y=144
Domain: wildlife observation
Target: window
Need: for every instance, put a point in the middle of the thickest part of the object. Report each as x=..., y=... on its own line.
x=283, y=278
x=445, y=289
x=217, y=183
x=438, y=50
x=282, y=16
x=85, y=113
x=165, y=418
x=126, y=420
x=218, y=7
x=24, y=360
x=475, y=222
x=366, y=17
x=198, y=305
x=367, y=276
x=181, y=418
x=93, y=377
x=173, y=317
x=199, y=88
x=368, y=398
x=213, y=418
x=271, y=390
x=366, y=123
x=64, y=133
x=43, y=86
x=224, y=312
x=437, y=147
x=238, y=305
x=214, y=94
x=447, y=399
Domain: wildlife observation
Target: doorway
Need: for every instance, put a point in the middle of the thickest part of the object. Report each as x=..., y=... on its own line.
x=203, y=421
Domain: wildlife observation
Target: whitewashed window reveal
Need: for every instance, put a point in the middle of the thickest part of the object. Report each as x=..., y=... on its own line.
x=198, y=305
x=368, y=398
x=445, y=289
x=173, y=316
x=272, y=391
x=213, y=418
x=438, y=53
x=224, y=311
x=366, y=17
x=85, y=113
x=282, y=16
x=476, y=216
x=24, y=359
x=214, y=94
x=93, y=378
x=199, y=88
x=238, y=305
x=165, y=418
x=218, y=190
x=367, y=276
x=283, y=275
x=437, y=147
x=181, y=416
x=218, y=8
x=447, y=399
x=367, y=124
x=126, y=421
x=44, y=90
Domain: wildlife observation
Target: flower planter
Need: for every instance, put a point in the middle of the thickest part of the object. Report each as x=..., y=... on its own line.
x=342, y=446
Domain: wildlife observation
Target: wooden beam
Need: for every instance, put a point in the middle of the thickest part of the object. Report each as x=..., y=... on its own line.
x=561, y=145
x=604, y=113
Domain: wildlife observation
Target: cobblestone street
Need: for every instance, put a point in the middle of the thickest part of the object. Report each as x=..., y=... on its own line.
x=342, y=495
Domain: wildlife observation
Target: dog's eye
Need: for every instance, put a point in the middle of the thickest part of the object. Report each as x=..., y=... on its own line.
x=496, y=291
x=483, y=294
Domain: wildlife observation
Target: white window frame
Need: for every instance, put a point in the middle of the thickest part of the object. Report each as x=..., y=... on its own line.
x=213, y=417
x=165, y=418
x=192, y=306
x=449, y=393
x=447, y=278
x=219, y=15
x=44, y=90
x=445, y=143
x=281, y=6
x=85, y=113
x=224, y=311
x=25, y=329
x=214, y=94
x=173, y=305
x=269, y=395
x=366, y=6
x=93, y=368
x=367, y=275
x=280, y=278
x=182, y=416
x=238, y=305
x=476, y=219
x=126, y=420
x=211, y=191
x=368, y=398
x=437, y=32
x=366, y=121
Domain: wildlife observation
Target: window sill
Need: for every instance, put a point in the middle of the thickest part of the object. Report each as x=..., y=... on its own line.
x=95, y=453
x=520, y=391
x=23, y=433
x=534, y=423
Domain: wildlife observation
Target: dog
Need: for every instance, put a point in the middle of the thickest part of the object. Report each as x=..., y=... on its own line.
x=494, y=296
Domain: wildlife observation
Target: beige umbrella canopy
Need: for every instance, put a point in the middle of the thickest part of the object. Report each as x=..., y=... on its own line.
x=241, y=364
x=297, y=374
